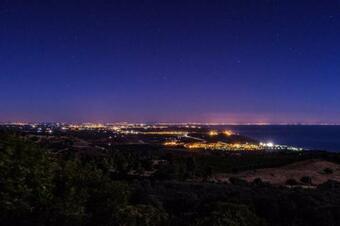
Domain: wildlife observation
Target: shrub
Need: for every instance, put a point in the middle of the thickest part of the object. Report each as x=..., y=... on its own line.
x=237, y=181
x=291, y=182
x=306, y=180
x=257, y=181
x=330, y=185
x=142, y=215
x=230, y=214
x=327, y=171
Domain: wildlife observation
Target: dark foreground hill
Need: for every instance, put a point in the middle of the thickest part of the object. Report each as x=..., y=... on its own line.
x=138, y=185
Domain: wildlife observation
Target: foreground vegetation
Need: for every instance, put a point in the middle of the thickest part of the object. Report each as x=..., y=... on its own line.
x=40, y=186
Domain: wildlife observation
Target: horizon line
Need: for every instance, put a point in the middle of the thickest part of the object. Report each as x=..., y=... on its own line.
x=171, y=123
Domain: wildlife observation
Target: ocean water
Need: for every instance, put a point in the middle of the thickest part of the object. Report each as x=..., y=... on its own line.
x=309, y=137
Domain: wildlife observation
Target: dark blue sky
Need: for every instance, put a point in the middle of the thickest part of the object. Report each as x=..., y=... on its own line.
x=210, y=61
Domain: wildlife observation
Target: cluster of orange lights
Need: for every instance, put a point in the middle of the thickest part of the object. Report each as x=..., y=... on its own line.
x=228, y=133
x=164, y=133
x=225, y=132
x=171, y=143
x=213, y=133
x=224, y=146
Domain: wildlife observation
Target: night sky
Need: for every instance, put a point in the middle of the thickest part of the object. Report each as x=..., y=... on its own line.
x=267, y=61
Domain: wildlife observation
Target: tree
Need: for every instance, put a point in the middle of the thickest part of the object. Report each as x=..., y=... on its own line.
x=142, y=215
x=37, y=188
x=230, y=214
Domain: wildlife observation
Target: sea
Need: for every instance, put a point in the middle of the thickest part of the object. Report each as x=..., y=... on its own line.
x=311, y=137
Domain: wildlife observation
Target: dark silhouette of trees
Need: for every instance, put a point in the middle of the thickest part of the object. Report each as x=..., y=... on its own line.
x=43, y=187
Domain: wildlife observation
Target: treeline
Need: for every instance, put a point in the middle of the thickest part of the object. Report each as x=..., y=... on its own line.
x=44, y=187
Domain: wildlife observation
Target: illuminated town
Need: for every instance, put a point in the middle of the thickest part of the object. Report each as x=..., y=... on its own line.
x=184, y=136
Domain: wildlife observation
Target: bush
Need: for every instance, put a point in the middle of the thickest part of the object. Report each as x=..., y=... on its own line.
x=238, y=181
x=306, y=180
x=330, y=185
x=327, y=171
x=142, y=215
x=230, y=214
x=257, y=181
x=291, y=182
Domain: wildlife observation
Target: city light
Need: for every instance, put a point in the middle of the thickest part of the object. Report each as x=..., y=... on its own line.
x=192, y=138
x=228, y=133
x=224, y=146
x=172, y=143
x=269, y=144
x=213, y=133
x=178, y=133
